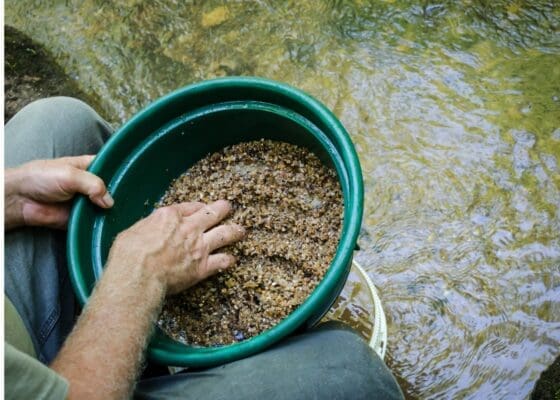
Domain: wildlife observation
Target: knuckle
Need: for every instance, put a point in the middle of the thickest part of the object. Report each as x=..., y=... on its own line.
x=98, y=183
x=122, y=236
x=166, y=212
x=97, y=187
x=68, y=173
x=205, y=249
x=200, y=251
x=197, y=254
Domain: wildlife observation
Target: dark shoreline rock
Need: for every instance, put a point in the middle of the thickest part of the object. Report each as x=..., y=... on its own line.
x=548, y=385
x=30, y=73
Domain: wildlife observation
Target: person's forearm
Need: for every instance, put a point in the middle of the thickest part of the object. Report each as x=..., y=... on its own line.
x=13, y=179
x=103, y=355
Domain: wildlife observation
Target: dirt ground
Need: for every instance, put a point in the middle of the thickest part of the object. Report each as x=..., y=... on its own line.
x=31, y=73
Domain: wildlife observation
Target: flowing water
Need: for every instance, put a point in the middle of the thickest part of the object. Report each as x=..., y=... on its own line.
x=454, y=108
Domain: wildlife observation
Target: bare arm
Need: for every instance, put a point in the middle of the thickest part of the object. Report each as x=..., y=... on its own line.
x=163, y=254
x=104, y=353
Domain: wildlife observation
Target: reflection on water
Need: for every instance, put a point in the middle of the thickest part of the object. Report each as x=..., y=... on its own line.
x=454, y=107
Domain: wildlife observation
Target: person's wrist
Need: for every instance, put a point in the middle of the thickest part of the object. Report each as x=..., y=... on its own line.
x=137, y=277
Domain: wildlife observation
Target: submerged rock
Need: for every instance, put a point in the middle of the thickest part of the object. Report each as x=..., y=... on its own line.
x=215, y=17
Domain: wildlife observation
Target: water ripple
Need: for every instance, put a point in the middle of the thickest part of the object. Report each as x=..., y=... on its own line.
x=454, y=108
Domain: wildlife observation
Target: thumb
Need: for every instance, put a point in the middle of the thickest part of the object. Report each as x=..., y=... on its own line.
x=80, y=162
x=92, y=186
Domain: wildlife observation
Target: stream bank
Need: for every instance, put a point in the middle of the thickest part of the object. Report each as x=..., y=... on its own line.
x=31, y=73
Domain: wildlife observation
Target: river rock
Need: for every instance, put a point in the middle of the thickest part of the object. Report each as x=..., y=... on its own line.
x=215, y=17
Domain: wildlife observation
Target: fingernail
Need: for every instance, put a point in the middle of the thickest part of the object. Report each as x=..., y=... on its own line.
x=108, y=200
x=227, y=203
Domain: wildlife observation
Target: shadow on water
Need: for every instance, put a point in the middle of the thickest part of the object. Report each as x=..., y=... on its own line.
x=454, y=108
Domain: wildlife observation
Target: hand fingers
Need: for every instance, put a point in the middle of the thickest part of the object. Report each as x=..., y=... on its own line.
x=187, y=209
x=210, y=215
x=91, y=185
x=223, y=235
x=48, y=215
x=81, y=162
x=218, y=262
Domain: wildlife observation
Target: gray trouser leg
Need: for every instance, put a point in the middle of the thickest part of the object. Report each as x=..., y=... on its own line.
x=36, y=278
x=329, y=362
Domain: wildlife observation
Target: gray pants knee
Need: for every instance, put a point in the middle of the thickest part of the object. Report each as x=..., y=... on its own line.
x=328, y=362
x=35, y=273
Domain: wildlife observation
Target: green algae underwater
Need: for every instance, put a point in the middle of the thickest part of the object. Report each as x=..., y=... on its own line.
x=454, y=108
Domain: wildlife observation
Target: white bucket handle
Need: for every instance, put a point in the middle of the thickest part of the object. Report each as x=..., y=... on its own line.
x=378, y=341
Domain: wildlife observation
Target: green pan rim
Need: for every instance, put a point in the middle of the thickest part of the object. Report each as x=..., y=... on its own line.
x=353, y=211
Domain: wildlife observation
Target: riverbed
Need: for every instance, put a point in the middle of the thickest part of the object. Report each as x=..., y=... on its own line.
x=454, y=108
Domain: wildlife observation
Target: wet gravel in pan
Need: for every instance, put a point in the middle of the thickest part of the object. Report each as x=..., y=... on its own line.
x=291, y=206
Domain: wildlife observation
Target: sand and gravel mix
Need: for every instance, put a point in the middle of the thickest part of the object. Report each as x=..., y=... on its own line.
x=291, y=206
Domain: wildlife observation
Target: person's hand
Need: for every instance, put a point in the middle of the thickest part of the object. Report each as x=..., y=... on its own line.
x=162, y=254
x=38, y=192
x=175, y=244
